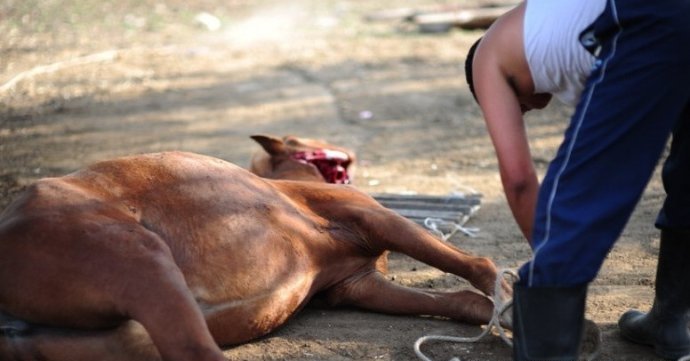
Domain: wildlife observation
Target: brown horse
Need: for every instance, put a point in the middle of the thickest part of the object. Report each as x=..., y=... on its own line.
x=168, y=255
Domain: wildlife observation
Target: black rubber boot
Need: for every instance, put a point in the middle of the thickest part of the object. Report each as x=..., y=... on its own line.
x=547, y=322
x=665, y=327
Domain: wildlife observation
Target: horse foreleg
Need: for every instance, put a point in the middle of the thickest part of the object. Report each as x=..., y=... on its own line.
x=387, y=230
x=373, y=292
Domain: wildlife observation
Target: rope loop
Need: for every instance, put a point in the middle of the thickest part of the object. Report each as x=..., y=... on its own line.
x=436, y=226
x=500, y=308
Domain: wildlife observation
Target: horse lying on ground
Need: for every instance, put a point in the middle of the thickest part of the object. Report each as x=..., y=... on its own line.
x=168, y=255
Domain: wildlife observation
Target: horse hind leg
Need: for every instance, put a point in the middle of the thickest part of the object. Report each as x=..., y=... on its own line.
x=131, y=274
x=155, y=294
x=128, y=342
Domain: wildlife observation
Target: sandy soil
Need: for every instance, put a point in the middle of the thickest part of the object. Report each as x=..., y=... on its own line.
x=309, y=68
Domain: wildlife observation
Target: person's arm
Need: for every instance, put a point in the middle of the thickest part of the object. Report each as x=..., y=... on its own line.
x=497, y=96
x=517, y=170
x=507, y=131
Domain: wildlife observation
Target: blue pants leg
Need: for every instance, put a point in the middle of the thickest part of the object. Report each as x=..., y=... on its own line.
x=638, y=93
x=675, y=213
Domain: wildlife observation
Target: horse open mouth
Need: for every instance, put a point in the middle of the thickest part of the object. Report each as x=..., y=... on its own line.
x=332, y=164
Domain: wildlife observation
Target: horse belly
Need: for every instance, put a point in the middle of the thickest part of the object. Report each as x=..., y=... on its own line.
x=260, y=311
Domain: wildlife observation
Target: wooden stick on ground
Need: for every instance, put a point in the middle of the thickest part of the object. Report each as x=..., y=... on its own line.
x=480, y=18
x=50, y=68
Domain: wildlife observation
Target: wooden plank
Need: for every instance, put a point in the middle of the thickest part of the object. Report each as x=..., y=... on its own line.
x=392, y=14
x=480, y=18
x=438, y=207
x=421, y=214
x=471, y=199
x=408, y=13
x=443, y=18
x=452, y=210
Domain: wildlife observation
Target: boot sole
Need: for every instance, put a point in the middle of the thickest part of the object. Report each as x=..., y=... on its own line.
x=665, y=352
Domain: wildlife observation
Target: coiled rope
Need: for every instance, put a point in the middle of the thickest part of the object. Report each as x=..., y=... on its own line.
x=435, y=225
x=500, y=307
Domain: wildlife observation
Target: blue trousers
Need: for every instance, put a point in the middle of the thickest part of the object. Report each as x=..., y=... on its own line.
x=637, y=95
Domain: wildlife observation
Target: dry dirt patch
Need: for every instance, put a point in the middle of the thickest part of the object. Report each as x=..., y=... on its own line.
x=308, y=68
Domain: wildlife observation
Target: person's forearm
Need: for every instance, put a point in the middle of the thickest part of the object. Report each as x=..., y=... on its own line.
x=522, y=200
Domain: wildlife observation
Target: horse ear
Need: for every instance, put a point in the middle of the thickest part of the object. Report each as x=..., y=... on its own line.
x=272, y=145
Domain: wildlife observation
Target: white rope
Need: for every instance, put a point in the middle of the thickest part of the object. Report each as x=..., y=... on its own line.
x=495, y=323
x=447, y=229
x=500, y=308
x=435, y=225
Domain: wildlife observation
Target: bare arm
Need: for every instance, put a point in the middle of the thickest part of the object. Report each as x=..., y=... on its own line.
x=507, y=131
x=498, y=58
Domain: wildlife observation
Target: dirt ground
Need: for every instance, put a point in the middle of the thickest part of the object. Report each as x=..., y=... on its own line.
x=310, y=68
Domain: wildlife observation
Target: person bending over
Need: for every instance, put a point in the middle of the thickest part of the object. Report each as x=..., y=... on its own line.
x=624, y=65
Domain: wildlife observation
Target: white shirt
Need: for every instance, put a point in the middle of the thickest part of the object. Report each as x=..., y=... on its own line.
x=558, y=62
